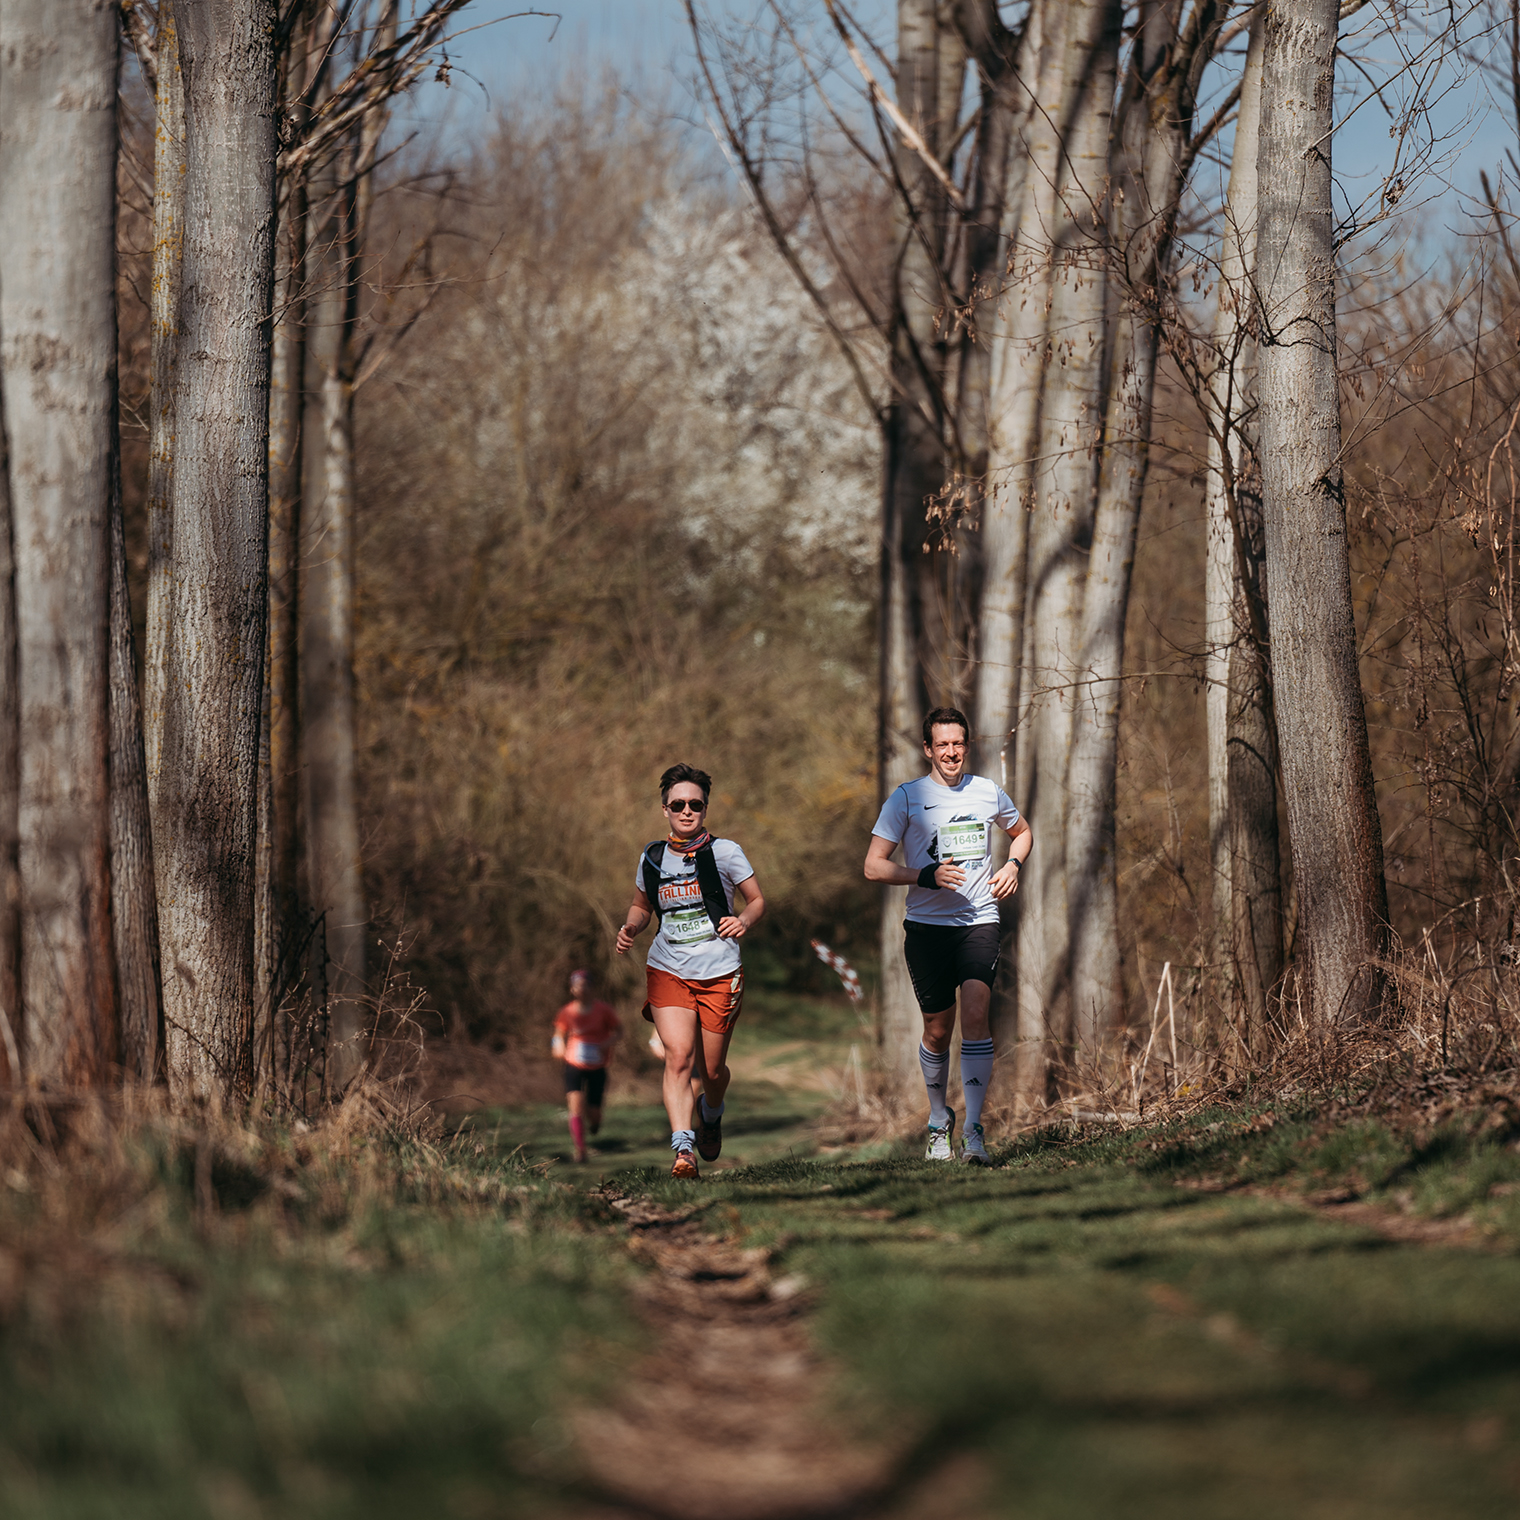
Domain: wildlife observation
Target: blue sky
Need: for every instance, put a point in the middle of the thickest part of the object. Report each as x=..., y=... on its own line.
x=506, y=57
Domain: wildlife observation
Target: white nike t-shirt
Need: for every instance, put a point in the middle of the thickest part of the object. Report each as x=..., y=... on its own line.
x=687, y=945
x=938, y=824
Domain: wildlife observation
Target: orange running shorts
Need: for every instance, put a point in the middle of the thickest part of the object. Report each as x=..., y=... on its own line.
x=716, y=1001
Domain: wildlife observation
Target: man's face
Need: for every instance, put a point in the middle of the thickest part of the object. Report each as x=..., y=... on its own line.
x=946, y=751
x=579, y=986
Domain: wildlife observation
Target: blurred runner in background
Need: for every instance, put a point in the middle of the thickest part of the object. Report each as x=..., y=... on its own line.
x=585, y=1032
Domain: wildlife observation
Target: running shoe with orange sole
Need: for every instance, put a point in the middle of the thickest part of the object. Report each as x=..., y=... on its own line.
x=685, y=1166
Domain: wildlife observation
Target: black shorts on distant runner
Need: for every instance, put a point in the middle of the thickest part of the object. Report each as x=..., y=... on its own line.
x=592, y=1082
x=942, y=956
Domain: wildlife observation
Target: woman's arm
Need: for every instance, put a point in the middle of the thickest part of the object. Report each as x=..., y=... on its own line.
x=634, y=922
x=736, y=925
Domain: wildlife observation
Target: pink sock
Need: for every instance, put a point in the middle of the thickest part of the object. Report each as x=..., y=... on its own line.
x=578, y=1131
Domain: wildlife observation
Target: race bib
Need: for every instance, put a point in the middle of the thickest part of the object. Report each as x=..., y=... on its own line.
x=688, y=926
x=965, y=841
x=585, y=1053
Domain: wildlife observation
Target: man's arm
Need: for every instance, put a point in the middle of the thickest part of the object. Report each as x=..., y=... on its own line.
x=1005, y=882
x=881, y=867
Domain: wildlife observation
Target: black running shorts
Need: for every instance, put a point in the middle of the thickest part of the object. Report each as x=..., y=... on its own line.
x=942, y=956
x=592, y=1082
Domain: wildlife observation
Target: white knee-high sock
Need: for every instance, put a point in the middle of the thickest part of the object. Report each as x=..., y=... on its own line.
x=976, y=1076
x=935, y=1069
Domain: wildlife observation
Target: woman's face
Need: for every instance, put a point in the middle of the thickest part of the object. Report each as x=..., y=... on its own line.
x=685, y=809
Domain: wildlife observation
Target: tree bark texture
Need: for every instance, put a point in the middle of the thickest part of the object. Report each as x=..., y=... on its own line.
x=134, y=905
x=203, y=820
x=1065, y=483
x=58, y=318
x=1151, y=141
x=1327, y=771
x=164, y=317
x=1242, y=742
x=327, y=611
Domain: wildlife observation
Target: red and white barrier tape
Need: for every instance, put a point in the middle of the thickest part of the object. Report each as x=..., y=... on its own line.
x=847, y=973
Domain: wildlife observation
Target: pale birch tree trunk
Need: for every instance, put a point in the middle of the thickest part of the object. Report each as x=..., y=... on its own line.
x=1242, y=743
x=1327, y=771
x=58, y=63
x=204, y=803
x=1064, y=493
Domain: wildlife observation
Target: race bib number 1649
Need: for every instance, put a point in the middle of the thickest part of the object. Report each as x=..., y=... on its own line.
x=963, y=840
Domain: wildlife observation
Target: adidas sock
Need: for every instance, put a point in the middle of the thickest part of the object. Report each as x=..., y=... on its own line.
x=683, y=1140
x=976, y=1076
x=708, y=1111
x=578, y=1131
x=935, y=1069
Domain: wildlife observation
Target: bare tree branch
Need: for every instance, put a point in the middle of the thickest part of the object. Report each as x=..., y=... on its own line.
x=905, y=128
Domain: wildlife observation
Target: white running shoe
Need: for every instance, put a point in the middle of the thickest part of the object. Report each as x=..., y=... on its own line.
x=940, y=1148
x=974, y=1146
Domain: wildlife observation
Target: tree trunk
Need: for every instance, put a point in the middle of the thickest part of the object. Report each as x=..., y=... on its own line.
x=1327, y=770
x=1014, y=338
x=280, y=748
x=1153, y=133
x=134, y=907
x=918, y=641
x=1242, y=744
x=1061, y=528
x=58, y=317
x=203, y=820
x=168, y=265
x=12, y=1025
x=327, y=598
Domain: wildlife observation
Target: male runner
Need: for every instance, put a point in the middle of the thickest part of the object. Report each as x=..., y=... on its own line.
x=944, y=823
x=585, y=1030
x=695, y=980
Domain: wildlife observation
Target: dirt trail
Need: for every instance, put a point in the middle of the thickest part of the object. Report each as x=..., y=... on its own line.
x=729, y=1415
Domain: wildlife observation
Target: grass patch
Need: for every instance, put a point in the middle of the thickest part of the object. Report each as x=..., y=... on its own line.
x=335, y=1326
x=1103, y=1340
x=221, y=1322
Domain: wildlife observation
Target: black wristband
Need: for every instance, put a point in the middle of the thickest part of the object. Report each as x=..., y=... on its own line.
x=926, y=876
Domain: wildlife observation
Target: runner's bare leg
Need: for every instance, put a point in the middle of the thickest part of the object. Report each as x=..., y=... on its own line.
x=709, y=1072
x=677, y=1029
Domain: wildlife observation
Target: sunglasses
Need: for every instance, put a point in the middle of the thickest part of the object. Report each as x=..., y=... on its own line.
x=686, y=804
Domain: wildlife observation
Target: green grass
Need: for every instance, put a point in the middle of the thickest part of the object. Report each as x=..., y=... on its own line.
x=400, y=1337
x=1105, y=1341
x=1134, y=1324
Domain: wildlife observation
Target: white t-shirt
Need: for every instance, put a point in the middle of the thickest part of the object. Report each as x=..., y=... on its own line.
x=687, y=945
x=938, y=824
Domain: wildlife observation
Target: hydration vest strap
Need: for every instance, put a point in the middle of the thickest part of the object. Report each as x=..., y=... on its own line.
x=714, y=899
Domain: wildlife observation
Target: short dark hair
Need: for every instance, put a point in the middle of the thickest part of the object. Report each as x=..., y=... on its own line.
x=946, y=715
x=684, y=772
